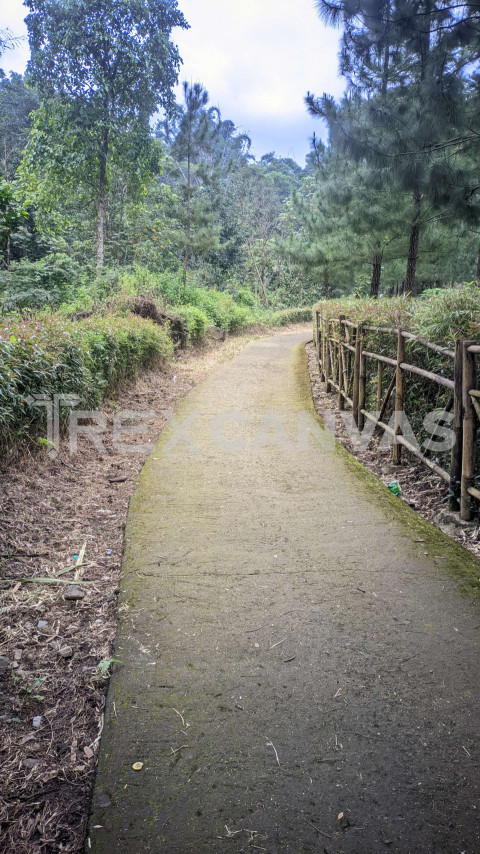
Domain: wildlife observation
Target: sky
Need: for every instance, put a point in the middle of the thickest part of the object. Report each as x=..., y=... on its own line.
x=256, y=58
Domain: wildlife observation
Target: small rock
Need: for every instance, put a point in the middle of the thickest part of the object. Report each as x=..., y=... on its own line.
x=215, y=332
x=30, y=763
x=17, y=654
x=4, y=664
x=42, y=624
x=65, y=651
x=37, y=721
x=72, y=593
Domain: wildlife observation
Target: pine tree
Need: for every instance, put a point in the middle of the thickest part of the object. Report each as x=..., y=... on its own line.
x=406, y=110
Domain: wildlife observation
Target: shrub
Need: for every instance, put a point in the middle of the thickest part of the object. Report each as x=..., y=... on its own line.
x=448, y=314
x=194, y=319
x=440, y=316
x=55, y=356
x=222, y=310
x=53, y=279
x=291, y=315
x=375, y=312
x=244, y=297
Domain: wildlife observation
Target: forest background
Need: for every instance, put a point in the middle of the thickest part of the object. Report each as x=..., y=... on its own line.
x=112, y=188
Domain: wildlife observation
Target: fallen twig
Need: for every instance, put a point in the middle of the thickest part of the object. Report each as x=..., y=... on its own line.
x=321, y=832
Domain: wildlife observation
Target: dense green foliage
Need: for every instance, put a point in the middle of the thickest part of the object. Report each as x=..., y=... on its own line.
x=52, y=355
x=391, y=203
x=103, y=69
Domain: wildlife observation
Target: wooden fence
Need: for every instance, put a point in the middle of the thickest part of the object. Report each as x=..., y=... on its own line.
x=343, y=360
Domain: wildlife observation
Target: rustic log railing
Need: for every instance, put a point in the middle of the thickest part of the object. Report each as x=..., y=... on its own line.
x=343, y=364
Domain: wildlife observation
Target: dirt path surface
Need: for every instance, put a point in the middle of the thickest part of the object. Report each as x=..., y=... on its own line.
x=299, y=670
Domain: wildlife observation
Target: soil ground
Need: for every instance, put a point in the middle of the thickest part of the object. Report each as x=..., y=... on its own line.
x=51, y=648
x=298, y=670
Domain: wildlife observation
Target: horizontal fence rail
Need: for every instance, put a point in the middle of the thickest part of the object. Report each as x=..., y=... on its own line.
x=346, y=366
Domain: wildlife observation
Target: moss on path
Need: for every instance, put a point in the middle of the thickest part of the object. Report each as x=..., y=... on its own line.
x=293, y=645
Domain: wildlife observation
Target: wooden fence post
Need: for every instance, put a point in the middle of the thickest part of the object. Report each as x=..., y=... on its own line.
x=469, y=430
x=356, y=372
x=397, y=448
x=362, y=380
x=341, y=357
x=317, y=336
x=324, y=352
x=379, y=385
x=456, y=456
x=328, y=366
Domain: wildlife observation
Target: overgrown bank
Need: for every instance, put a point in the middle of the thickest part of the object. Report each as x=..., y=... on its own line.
x=438, y=315
x=397, y=365
x=92, y=348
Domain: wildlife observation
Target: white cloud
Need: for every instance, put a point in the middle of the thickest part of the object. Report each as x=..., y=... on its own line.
x=257, y=58
x=11, y=18
x=273, y=53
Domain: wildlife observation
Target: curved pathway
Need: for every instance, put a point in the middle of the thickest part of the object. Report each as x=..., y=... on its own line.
x=299, y=670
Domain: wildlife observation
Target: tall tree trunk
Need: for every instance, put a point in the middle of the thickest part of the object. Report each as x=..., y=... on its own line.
x=326, y=286
x=9, y=248
x=410, y=281
x=477, y=277
x=376, y=275
x=385, y=70
x=189, y=221
x=102, y=185
x=263, y=280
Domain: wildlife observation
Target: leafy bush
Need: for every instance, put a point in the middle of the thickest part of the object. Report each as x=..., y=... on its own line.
x=439, y=317
x=291, y=315
x=141, y=280
x=55, y=356
x=53, y=279
x=194, y=319
x=244, y=297
x=222, y=310
x=448, y=314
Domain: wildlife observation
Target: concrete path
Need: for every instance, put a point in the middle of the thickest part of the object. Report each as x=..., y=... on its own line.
x=299, y=670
